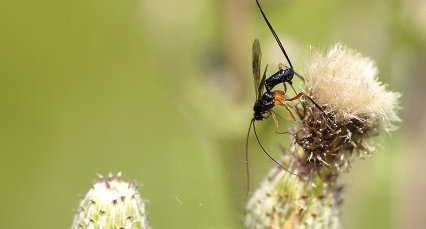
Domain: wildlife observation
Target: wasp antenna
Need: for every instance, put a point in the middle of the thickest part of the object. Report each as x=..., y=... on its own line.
x=261, y=146
x=247, y=162
x=273, y=33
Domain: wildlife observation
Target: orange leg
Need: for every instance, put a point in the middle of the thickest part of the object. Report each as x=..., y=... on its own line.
x=315, y=104
x=296, y=97
x=274, y=117
x=292, y=115
x=307, y=96
x=304, y=95
x=279, y=96
x=288, y=110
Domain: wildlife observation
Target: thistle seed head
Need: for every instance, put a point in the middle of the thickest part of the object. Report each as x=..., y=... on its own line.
x=351, y=106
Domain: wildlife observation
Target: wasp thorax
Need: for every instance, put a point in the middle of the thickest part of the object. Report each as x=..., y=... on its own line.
x=263, y=106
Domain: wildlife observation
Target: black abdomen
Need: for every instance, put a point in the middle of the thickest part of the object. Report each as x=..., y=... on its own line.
x=281, y=76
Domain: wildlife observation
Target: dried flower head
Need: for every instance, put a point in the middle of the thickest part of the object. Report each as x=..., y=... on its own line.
x=352, y=105
x=111, y=204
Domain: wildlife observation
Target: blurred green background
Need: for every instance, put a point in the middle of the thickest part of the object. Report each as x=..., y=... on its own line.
x=162, y=90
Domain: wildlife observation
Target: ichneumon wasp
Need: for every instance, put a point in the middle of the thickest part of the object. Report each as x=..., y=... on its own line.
x=266, y=97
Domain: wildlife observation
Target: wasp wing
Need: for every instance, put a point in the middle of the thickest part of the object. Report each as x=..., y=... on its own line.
x=262, y=83
x=257, y=55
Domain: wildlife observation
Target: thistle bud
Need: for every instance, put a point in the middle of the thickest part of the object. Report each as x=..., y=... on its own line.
x=284, y=200
x=111, y=204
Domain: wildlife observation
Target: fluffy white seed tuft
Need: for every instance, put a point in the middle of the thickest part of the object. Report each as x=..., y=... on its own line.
x=345, y=82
